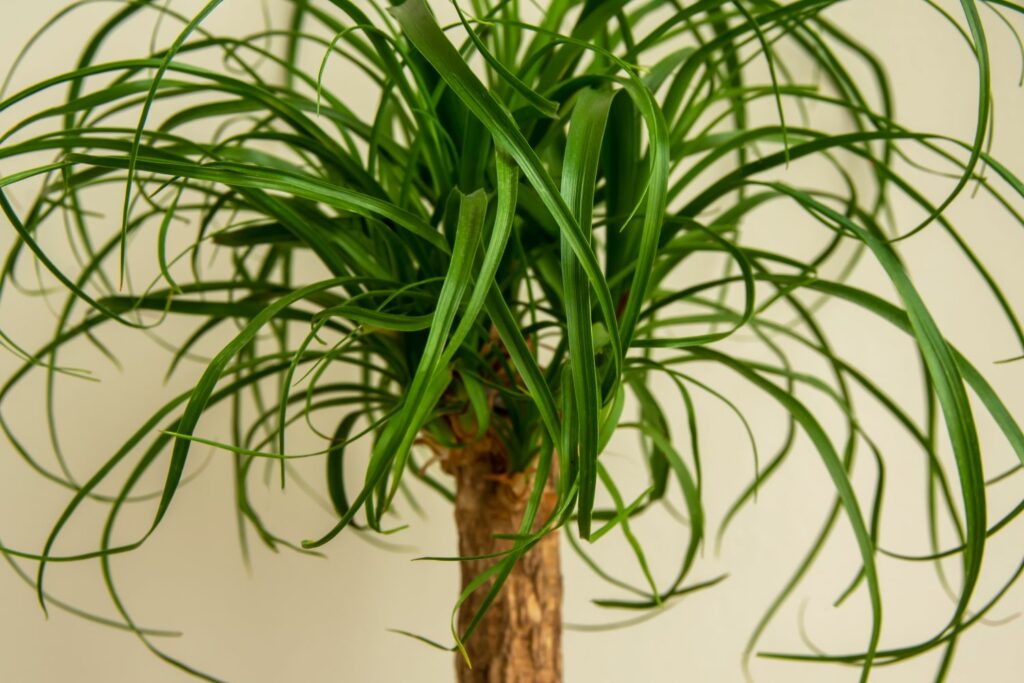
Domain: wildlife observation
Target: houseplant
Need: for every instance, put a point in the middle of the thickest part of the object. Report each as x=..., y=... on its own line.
x=495, y=268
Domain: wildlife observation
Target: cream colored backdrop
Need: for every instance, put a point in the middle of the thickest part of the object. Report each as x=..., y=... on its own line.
x=296, y=618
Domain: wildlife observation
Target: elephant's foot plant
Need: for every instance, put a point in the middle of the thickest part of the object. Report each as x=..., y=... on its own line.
x=499, y=265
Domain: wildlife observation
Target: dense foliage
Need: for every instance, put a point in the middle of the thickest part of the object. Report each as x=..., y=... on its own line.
x=497, y=246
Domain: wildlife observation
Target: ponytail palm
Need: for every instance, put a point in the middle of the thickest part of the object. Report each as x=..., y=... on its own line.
x=500, y=266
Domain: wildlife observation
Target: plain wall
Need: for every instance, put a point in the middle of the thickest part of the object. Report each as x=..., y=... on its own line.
x=295, y=618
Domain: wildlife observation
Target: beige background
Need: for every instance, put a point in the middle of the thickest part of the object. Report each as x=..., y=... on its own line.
x=297, y=618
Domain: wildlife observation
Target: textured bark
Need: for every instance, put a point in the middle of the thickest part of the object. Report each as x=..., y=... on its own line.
x=520, y=638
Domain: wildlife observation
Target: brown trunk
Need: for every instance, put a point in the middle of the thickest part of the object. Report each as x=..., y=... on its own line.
x=520, y=638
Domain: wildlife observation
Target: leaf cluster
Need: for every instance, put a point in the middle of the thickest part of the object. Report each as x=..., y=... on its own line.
x=498, y=246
